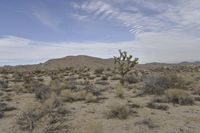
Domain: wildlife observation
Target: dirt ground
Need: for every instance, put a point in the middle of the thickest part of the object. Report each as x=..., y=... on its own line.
x=89, y=114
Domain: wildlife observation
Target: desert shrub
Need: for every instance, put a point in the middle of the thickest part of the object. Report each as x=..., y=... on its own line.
x=81, y=95
x=3, y=84
x=2, y=107
x=51, y=103
x=67, y=95
x=1, y=114
x=150, y=123
x=118, y=110
x=41, y=91
x=40, y=79
x=196, y=91
x=119, y=92
x=27, y=77
x=72, y=85
x=104, y=77
x=157, y=106
x=197, y=98
x=28, y=117
x=161, y=99
x=177, y=81
x=99, y=70
x=108, y=69
x=178, y=96
x=57, y=86
x=95, y=127
x=91, y=77
x=115, y=77
x=17, y=77
x=30, y=84
x=92, y=89
x=131, y=79
x=157, y=83
x=101, y=82
x=90, y=98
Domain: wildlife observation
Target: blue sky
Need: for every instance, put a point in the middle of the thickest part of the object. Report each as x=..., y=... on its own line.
x=33, y=31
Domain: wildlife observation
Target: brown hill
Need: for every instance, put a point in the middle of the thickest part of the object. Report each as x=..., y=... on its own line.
x=68, y=61
x=78, y=62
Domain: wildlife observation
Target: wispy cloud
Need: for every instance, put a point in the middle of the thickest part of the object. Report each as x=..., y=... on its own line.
x=48, y=20
x=142, y=16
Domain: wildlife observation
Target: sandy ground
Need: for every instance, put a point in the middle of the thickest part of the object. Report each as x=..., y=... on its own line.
x=90, y=117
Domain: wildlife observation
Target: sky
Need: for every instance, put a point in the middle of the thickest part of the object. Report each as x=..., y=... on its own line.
x=33, y=31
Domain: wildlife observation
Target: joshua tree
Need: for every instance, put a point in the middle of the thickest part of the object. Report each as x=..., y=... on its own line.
x=124, y=63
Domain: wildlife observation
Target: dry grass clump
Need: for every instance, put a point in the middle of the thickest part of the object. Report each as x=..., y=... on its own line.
x=118, y=110
x=157, y=83
x=178, y=96
x=119, y=92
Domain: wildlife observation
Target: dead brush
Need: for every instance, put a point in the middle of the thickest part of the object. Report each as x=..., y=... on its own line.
x=118, y=110
x=28, y=117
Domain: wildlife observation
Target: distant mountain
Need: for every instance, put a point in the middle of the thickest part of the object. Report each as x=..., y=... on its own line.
x=83, y=60
x=190, y=63
x=68, y=61
x=78, y=62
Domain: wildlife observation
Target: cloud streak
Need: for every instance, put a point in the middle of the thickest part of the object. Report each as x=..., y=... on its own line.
x=46, y=19
x=144, y=16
